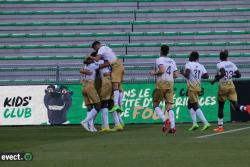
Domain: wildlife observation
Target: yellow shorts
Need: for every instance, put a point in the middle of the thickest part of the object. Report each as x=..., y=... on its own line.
x=224, y=94
x=89, y=92
x=106, y=88
x=163, y=94
x=193, y=96
x=117, y=73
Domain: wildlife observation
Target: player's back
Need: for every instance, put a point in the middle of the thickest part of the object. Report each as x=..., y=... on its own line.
x=165, y=80
x=230, y=69
x=197, y=70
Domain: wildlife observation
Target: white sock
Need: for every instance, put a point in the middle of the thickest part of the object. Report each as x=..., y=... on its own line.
x=201, y=116
x=116, y=97
x=160, y=114
x=242, y=108
x=91, y=115
x=220, y=122
x=105, y=117
x=120, y=98
x=193, y=116
x=89, y=122
x=115, y=117
x=120, y=118
x=171, y=118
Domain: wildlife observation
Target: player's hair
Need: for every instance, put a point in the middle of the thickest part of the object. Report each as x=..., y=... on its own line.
x=164, y=50
x=95, y=43
x=224, y=54
x=194, y=56
x=87, y=61
x=93, y=54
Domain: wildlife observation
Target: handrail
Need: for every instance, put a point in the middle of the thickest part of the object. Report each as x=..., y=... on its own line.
x=81, y=57
x=187, y=33
x=127, y=45
x=125, y=11
x=89, y=1
x=125, y=22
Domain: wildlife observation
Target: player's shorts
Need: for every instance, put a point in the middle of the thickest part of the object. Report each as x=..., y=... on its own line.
x=117, y=73
x=224, y=94
x=163, y=94
x=193, y=96
x=89, y=92
x=106, y=88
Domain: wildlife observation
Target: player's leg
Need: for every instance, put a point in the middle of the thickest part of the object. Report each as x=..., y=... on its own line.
x=192, y=113
x=222, y=97
x=233, y=101
x=118, y=126
x=157, y=98
x=200, y=114
x=193, y=116
x=105, y=116
x=119, y=111
x=116, y=76
x=169, y=99
x=95, y=101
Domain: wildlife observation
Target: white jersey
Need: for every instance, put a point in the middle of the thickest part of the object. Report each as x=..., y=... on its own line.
x=230, y=69
x=170, y=67
x=107, y=53
x=91, y=67
x=196, y=72
x=103, y=70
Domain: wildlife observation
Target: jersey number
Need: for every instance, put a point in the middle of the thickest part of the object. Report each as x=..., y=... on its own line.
x=229, y=74
x=168, y=71
x=197, y=73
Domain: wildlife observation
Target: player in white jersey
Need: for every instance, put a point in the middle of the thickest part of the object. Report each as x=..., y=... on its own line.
x=165, y=72
x=106, y=95
x=91, y=98
x=227, y=70
x=194, y=72
x=117, y=73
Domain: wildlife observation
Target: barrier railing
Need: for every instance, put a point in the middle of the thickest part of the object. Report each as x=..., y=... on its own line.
x=89, y=1
x=131, y=34
x=128, y=45
x=81, y=57
x=60, y=74
x=125, y=11
x=77, y=23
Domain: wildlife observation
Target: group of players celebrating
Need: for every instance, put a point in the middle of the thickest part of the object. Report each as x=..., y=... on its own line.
x=105, y=94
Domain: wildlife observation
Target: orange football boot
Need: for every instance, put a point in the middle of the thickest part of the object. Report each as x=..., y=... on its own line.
x=219, y=129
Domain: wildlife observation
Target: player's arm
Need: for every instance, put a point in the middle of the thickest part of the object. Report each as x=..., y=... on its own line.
x=160, y=71
x=176, y=74
x=104, y=65
x=237, y=74
x=205, y=76
x=185, y=72
x=85, y=72
x=219, y=75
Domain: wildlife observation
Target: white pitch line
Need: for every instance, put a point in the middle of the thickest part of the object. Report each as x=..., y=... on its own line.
x=229, y=131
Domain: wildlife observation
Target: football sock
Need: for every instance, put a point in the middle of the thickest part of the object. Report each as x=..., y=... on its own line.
x=193, y=116
x=115, y=117
x=105, y=117
x=91, y=115
x=120, y=118
x=171, y=118
x=120, y=98
x=201, y=116
x=160, y=114
x=220, y=122
x=116, y=97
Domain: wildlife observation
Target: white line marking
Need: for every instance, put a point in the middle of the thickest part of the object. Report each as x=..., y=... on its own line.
x=229, y=131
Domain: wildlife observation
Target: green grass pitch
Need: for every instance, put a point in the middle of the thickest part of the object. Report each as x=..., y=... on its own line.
x=137, y=146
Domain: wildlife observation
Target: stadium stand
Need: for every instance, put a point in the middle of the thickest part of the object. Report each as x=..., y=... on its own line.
x=45, y=41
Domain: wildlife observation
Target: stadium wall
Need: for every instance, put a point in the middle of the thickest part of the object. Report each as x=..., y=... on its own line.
x=25, y=105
